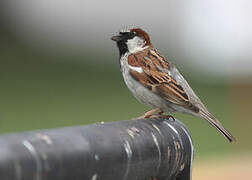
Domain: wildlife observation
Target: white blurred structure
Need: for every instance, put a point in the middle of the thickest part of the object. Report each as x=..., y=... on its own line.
x=215, y=35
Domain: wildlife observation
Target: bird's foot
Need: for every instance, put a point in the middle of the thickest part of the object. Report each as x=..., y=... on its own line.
x=162, y=116
x=168, y=117
x=154, y=114
x=151, y=114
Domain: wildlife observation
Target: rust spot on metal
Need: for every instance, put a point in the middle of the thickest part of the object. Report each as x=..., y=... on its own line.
x=96, y=156
x=133, y=131
x=182, y=167
x=45, y=138
x=169, y=154
x=94, y=177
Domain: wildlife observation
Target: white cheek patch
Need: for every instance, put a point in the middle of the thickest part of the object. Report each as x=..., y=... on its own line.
x=137, y=69
x=136, y=44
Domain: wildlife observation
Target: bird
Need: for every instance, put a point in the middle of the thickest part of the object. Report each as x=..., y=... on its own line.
x=156, y=82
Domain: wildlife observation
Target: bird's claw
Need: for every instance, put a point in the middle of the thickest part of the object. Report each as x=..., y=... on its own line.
x=168, y=117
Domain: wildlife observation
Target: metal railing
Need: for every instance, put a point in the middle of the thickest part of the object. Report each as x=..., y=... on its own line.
x=126, y=150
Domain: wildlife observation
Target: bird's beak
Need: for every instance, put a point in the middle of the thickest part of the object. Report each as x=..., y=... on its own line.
x=116, y=38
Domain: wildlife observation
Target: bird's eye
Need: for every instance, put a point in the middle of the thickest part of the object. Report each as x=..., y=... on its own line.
x=132, y=34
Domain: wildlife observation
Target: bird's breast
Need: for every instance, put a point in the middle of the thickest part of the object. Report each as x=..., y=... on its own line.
x=143, y=94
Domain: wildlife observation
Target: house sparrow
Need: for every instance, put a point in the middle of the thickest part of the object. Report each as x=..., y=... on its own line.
x=155, y=81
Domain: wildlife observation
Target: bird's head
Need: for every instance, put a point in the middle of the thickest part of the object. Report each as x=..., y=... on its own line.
x=132, y=40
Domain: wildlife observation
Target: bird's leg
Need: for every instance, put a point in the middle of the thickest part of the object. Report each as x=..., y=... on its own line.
x=161, y=112
x=158, y=115
x=150, y=113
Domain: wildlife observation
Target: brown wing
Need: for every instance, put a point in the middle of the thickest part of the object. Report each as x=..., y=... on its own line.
x=155, y=78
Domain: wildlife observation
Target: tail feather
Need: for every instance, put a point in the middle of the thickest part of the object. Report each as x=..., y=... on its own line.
x=214, y=122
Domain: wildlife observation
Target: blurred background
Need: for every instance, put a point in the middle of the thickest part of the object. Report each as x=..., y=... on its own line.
x=58, y=67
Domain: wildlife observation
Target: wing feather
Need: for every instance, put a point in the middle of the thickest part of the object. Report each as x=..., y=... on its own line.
x=155, y=76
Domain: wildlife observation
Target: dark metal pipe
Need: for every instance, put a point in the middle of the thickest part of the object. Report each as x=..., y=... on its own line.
x=124, y=150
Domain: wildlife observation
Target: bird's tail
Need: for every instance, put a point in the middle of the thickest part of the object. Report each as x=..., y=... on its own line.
x=205, y=114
